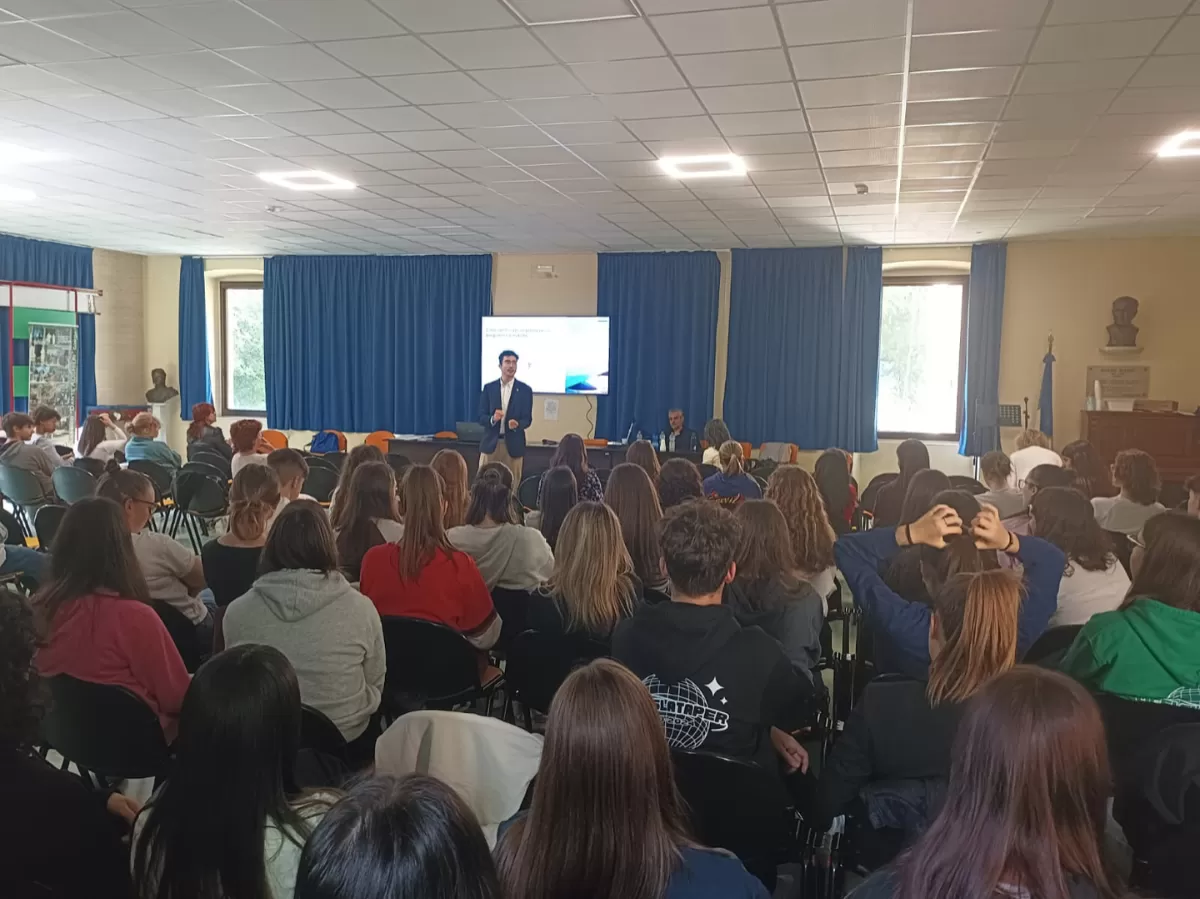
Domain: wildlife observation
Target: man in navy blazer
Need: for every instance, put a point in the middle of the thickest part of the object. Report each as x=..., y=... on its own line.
x=505, y=411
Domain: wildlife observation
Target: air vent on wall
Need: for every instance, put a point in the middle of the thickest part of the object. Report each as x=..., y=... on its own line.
x=542, y=272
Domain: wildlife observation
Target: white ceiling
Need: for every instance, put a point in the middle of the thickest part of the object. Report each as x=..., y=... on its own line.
x=467, y=128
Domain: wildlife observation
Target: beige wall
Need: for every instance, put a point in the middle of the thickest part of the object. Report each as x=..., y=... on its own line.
x=161, y=333
x=122, y=375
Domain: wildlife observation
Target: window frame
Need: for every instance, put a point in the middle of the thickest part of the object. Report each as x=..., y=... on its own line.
x=226, y=410
x=900, y=280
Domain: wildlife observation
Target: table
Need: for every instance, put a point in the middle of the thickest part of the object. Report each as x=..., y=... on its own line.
x=1173, y=439
x=537, y=455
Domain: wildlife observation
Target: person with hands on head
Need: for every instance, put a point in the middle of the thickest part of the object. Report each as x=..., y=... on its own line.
x=95, y=440
x=956, y=535
x=505, y=411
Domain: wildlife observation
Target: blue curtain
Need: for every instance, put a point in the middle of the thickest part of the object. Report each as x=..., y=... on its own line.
x=985, y=314
x=804, y=347
x=365, y=343
x=87, y=363
x=195, y=384
x=45, y=262
x=663, y=338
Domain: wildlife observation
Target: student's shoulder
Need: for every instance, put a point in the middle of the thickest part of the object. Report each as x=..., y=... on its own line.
x=713, y=874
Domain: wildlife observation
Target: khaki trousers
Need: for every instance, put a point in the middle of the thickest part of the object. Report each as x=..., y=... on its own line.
x=500, y=454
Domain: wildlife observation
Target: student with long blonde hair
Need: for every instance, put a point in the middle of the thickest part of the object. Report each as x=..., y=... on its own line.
x=731, y=486
x=593, y=587
x=456, y=481
x=796, y=494
x=423, y=575
x=231, y=561
x=903, y=729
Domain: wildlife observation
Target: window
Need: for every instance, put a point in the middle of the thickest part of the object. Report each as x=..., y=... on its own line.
x=921, y=353
x=243, y=370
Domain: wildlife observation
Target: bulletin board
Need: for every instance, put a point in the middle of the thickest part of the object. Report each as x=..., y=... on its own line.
x=54, y=371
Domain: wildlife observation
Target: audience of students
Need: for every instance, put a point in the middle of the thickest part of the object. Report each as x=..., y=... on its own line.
x=795, y=492
x=643, y=454
x=832, y=474
x=606, y=819
x=94, y=617
x=1147, y=649
x=678, y=481
x=174, y=574
x=19, y=454
x=249, y=445
x=100, y=438
x=768, y=591
x=630, y=494
x=1026, y=806
x=423, y=575
x=995, y=468
x=731, y=485
x=1092, y=476
x=231, y=561
x=508, y=554
x=45, y=423
x=1135, y=474
x=1033, y=449
x=558, y=495
x=744, y=697
x=911, y=456
x=716, y=435
x=955, y=536
x=592, y=587
x=144, y=446
x=572, y=453
x=1093, y=580
x=302, y=605
x=399, y=839
x=456, y=485
x=67, y=839
x=367, y=516
x=229, y=820
x=360, y=455
x=291, y=470
x=203, y=432
x=902, y=729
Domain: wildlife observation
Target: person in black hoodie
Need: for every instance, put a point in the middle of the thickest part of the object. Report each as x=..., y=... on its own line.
x=719, y=687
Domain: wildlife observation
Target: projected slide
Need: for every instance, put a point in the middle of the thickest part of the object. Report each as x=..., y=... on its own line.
x=559, y=354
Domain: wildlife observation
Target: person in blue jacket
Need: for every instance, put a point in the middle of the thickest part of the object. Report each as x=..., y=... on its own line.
x=956, y=535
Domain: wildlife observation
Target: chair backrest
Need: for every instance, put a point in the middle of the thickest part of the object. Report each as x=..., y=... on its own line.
x=399, y=463
x=320, y=483
x=747, y=449
x=967, y=484
x=318, y=733
x=430, y=662
x=46, y=522
x=213, y=458
x=341, y=439
x=16, y=531
x=104, y=729
x=73, y=484
x=337, y=459
x=277, y=439
x=159, y=475
x=205, y=468
x=200, y=493
x=445, y=435
x=527, y=492
x=867, y=499
x=183, y=635
x=94, y=467
x=539, y=663
x=513, y=608
x=379, y=440
x=1129, y=725
x=1049, y=649
x=20, y=486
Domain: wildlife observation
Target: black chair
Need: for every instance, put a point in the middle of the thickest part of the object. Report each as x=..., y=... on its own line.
x=1048, y=649
x=73, y=484
x=160, y=475
x=513, y=608
x=45, y=523
x=320, y=734
x=106, y=731
x=321, y=462
x=399, y=463
x=94, y=467
x=707, y=471
x=430, y=665
x=1122, y=548
x=22, y=489
x=16, y=533
x=653, y=597
x=205, y=468
x=183, y=635
x=320, y=483
x=737, y=806
x=214, y=459
x=966, y=484
x=199, y=499
x=761, y=481
x=337, y=460
x=539, y=663
x=527, y=491
x=866, y=499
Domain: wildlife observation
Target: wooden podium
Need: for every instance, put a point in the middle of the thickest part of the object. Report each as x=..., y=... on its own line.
x=1173, y=439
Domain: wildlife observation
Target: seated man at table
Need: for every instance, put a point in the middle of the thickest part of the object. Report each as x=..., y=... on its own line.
x=680, y=439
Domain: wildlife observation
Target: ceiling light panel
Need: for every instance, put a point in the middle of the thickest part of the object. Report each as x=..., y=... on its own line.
x=1185, y=143
x=307, y=180
x=559, y=12
x=719, y=165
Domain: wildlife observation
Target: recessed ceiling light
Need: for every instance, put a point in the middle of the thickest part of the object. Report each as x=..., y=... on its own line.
x=721, y=165
x=16, y=195
x=1185, y=143
x=307, y=179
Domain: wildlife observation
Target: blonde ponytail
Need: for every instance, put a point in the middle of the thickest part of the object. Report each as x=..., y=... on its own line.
x=977, y=614
x=731, y=458
x=252, y=501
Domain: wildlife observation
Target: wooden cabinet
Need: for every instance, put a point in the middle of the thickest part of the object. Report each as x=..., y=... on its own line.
x=1172, y=439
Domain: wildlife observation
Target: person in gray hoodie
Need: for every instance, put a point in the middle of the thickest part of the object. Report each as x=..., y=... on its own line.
x=18, y=453
x=508, y=555
x=302, y=605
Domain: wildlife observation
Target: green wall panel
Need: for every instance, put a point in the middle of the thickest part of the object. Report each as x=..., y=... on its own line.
x=20, y=380
x=23, y=316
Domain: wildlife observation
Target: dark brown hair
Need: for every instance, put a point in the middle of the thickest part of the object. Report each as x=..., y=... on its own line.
x=300, y=538
x=496, y=470
x=45, y=413
x=560, y=493
x=795, y=492
x=243, y=434
x=678, y=481
x=287, y=464
x=1043, y=476
x=630, y=494
x=1092, y=476
x=101, y=559
x=642, y=454
x=1137, y=475
x=977, y=618
x=371, y=494
x=123, y=484
x=253, y=499
x=360, y=455
x=91, y=435
x=699, y=541
x=15, y=420
x=960, y=554
x=491, y=498
x=922, y=488
x=424, y=528
x=1170, y=566
x=572, y=452
x=1027, y=800
x=765, y=550
x=1065, y=517
x=995, y=466
x=452, y=468
x=605, y=752
x=20, y=705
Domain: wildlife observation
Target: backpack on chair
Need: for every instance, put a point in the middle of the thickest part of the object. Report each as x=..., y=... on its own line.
x=325, y=442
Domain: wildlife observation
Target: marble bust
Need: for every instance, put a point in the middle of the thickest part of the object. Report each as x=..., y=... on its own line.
x=160, y=392
x=1123, y=332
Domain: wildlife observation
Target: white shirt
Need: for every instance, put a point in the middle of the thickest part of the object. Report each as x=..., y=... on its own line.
x=1082, y=594
x=505, y=395
x=1124, y=516
x=164, y=563
x=1026, y=460
x=241, y=460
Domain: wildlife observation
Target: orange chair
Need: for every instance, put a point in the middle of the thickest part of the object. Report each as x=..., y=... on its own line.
x=445, y=435
x=594, y=441
x=379, y=440
x=277, y=439
x=341, y=440
x=747, y=449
